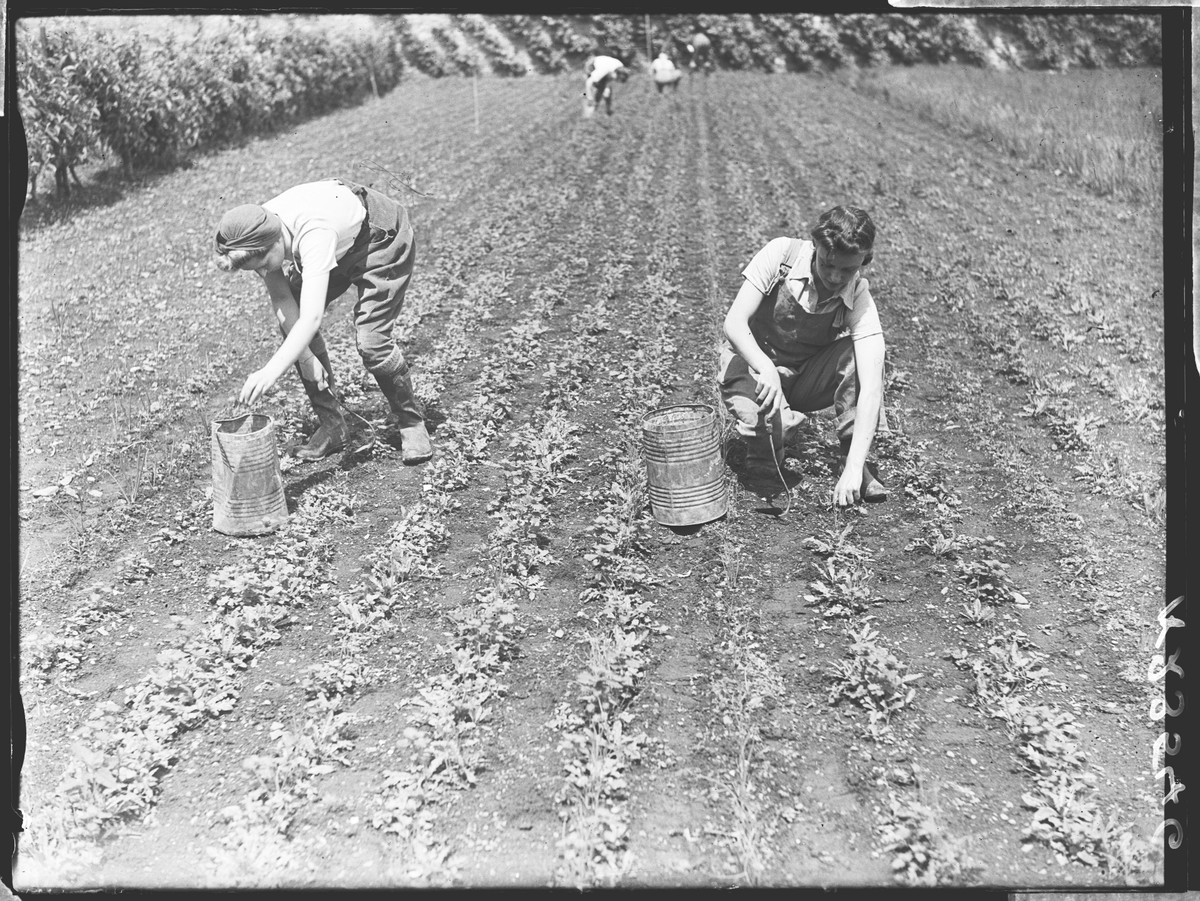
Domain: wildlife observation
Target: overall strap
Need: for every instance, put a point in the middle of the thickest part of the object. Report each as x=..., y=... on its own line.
x=790, y=259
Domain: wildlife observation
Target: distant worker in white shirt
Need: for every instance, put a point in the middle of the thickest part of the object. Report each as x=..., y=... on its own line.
x=600, y=72
x=700, y=48
x=665, y=73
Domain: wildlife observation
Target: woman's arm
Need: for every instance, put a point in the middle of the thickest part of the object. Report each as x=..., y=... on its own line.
x=868, y=362
x=303, y=329
x=737, y=330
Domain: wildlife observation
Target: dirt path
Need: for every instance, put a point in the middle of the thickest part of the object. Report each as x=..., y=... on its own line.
x=498, y=671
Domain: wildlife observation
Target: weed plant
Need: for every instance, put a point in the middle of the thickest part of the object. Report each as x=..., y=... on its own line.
x=923, y=852
x=874, y=679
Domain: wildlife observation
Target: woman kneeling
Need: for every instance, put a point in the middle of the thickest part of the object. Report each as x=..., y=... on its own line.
x=804, y=335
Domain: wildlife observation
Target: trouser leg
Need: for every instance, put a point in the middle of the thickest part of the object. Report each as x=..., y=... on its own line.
x=830, y=379
x=331, y=432
x=391, y=373
x=374, y=316
x=765, y=438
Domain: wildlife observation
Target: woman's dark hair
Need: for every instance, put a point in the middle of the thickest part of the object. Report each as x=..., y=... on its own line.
x=845, y=229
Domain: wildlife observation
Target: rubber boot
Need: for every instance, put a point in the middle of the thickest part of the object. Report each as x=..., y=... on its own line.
x=331, y=433
x=872, y=490
x=763, y=472
x=415, y=446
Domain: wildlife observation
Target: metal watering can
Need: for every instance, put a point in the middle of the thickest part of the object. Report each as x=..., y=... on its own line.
x=248, y=494
x=685, y=474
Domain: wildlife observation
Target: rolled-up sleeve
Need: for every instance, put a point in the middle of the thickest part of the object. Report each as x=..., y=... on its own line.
x=761, y=270
x=864, y=318
x=317, y=249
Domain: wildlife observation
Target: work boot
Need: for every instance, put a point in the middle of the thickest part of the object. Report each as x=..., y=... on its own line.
x=331, y=433
x=415, y=446
x=762, y=470
x=872, y=490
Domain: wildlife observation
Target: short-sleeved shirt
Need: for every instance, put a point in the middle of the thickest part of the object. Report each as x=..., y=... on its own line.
x=602, y=67
x=324, y=218
x=790, y=324
x=662, y=65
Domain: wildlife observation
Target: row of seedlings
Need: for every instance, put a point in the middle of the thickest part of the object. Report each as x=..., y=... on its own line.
x=447, y=712
x=93, y=778
x=872, y=678
x=63, y=651
x=749, y=682
x=869, y=676
x=1007, y=671
x=125, y=749
x=256, y=843
x=600, y=741
x=486, y=632
x=1003, y=330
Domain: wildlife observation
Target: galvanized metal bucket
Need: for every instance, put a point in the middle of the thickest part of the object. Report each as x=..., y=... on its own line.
x=248, y=494
x=685, y=474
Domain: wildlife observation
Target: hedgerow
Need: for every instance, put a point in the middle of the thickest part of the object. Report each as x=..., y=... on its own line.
x=87, y=91
x=60, y=122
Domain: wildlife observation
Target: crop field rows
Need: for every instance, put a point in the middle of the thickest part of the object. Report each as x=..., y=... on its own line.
x=496, y=669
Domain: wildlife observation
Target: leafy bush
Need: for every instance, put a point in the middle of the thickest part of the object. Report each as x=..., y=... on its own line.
x=428, y=58
x=569, y=40
x=545, y=55
x=59, y=120
x=617, y=36
x=142, y=118
x=456, y=52
x=503, y=59
x=151, y=101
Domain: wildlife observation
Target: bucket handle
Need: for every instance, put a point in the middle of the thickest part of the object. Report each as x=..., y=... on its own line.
x=230, y=412
x=786, y=489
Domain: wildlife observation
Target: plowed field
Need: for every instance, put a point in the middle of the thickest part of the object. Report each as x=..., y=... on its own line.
x=496, y=668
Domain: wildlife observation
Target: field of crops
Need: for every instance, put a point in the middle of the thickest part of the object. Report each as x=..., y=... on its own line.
x=496, y=669
x=1103, y=127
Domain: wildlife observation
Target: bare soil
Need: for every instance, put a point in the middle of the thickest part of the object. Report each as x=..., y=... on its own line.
x=996, y=283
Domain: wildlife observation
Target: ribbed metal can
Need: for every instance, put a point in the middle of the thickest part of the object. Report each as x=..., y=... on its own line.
x=685, y=474
x=248, y=496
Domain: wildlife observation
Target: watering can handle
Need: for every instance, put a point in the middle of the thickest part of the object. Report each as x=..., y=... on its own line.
x=221, y=447
x=788, y=505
